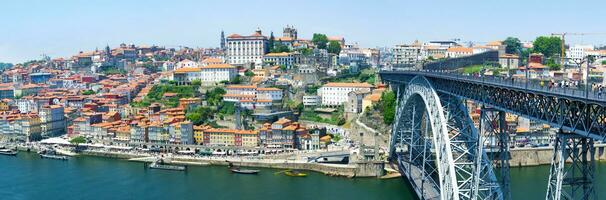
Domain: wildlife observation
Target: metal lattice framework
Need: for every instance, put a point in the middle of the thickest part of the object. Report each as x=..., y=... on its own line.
x=575, y=179
x=586, y=117
x=582, y=115
x=438, y=148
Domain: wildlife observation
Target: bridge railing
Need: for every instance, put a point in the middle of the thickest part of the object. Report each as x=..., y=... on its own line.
x=572, y=90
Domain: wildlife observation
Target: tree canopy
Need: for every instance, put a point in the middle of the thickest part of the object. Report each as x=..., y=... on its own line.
x=320, y=40
x=215, y=96
x=199, y=115
x=513, y=45
x=278, y=47
x=78, y=140
x=334, y=47
x=387, y=106
x=548, y=46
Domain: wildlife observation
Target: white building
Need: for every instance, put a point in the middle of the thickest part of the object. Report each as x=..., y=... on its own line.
x=253, y=94
x=217, y=73
x=185, y=64
x=578, y=52
x=243, y=50
x=187, y=75
x=26, y=105
x=284, y=58
x=407, y=54
x=509, y=61
x=455, y=52
x=311, y=100
x=168, y=66
x=335, y=94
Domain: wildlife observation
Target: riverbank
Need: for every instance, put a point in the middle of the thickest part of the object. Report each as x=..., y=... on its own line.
x=521, y=157
x=364, y=169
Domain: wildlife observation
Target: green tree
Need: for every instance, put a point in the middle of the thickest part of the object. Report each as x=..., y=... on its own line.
x=88, y=92
x=387, y=105
x=320, y=40
x=271, y=42
x=78, y=140
x=550, y=62
x=215, y=96
x=279, y=48
x=512, y=45
x=199, y=115
x=305, y=51
x=548, y=46
x=334, y=47
x=236, y=80
x=249, y=73
x=603, y=62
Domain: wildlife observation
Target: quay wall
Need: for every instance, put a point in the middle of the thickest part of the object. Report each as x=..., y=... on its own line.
x=363, y=169
x=543, y=156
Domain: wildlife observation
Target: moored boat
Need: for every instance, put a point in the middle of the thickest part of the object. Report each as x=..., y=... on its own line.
x=8, y=152
x=159, y=164
x=56, y=157
x=294, y=173
x=244, y=171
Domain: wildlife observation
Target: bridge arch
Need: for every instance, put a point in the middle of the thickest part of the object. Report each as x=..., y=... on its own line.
x=437, y=146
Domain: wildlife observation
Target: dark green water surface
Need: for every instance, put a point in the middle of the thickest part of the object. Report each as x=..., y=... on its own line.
x=29, y=177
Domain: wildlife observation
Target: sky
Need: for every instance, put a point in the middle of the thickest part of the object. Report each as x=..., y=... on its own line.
x=30, y=28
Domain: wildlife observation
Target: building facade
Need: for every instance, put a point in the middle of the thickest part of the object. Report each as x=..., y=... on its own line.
x=243, y=50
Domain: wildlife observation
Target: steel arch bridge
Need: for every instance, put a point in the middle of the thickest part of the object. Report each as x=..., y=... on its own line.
x=443, y=155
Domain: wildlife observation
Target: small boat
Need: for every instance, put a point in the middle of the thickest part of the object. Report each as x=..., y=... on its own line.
x=244, y=171
x=294, y=173
x=159, y=164
x=239, y=170
x=56, y=157
x=8, y=152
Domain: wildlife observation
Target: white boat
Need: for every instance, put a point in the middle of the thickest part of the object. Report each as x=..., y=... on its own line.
x=56, y=157
x=159, y=164
x=8, y=152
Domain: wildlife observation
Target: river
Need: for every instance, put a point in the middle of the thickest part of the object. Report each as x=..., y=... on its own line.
x=29, y=177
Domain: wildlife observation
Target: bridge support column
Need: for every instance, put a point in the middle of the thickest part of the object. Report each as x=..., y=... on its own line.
x=493, y=127
x=573, y=180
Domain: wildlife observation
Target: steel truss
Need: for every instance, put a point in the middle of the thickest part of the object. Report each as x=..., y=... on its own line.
x=572, y=180
x=493, y=127
x=574, y=114
x=438, y=148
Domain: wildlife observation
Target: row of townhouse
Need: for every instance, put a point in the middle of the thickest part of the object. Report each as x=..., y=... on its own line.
x=205, y=135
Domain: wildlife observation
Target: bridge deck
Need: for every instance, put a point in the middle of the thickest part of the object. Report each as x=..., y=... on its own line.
x=424, y=190
x=572, y=92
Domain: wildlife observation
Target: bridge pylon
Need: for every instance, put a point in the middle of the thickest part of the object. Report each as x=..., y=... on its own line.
x=493, y=127
x=571, y=174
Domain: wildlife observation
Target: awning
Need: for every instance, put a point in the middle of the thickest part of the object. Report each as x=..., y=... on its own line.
x=55, y=141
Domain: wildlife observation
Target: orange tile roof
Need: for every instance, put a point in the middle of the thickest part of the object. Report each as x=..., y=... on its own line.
x=460, y=49
x=362, y=85
x=269, y=89
x=283, y=54
x=188, y=69
x=241, y=87
x=219, y=66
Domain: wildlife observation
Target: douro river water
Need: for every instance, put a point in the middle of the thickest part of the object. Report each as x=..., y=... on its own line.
x=29, y=177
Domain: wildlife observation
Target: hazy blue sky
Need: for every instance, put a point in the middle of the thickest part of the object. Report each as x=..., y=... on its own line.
x=64, y=27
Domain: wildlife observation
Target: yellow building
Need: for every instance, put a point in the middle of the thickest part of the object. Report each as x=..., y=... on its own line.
x=199, y=134
x=249, y=138
x=4, y=105
x=229, y=137
x=123, y=134
x=369, y=100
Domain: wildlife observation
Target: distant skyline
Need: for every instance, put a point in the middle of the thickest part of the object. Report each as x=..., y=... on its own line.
x=31, y=28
